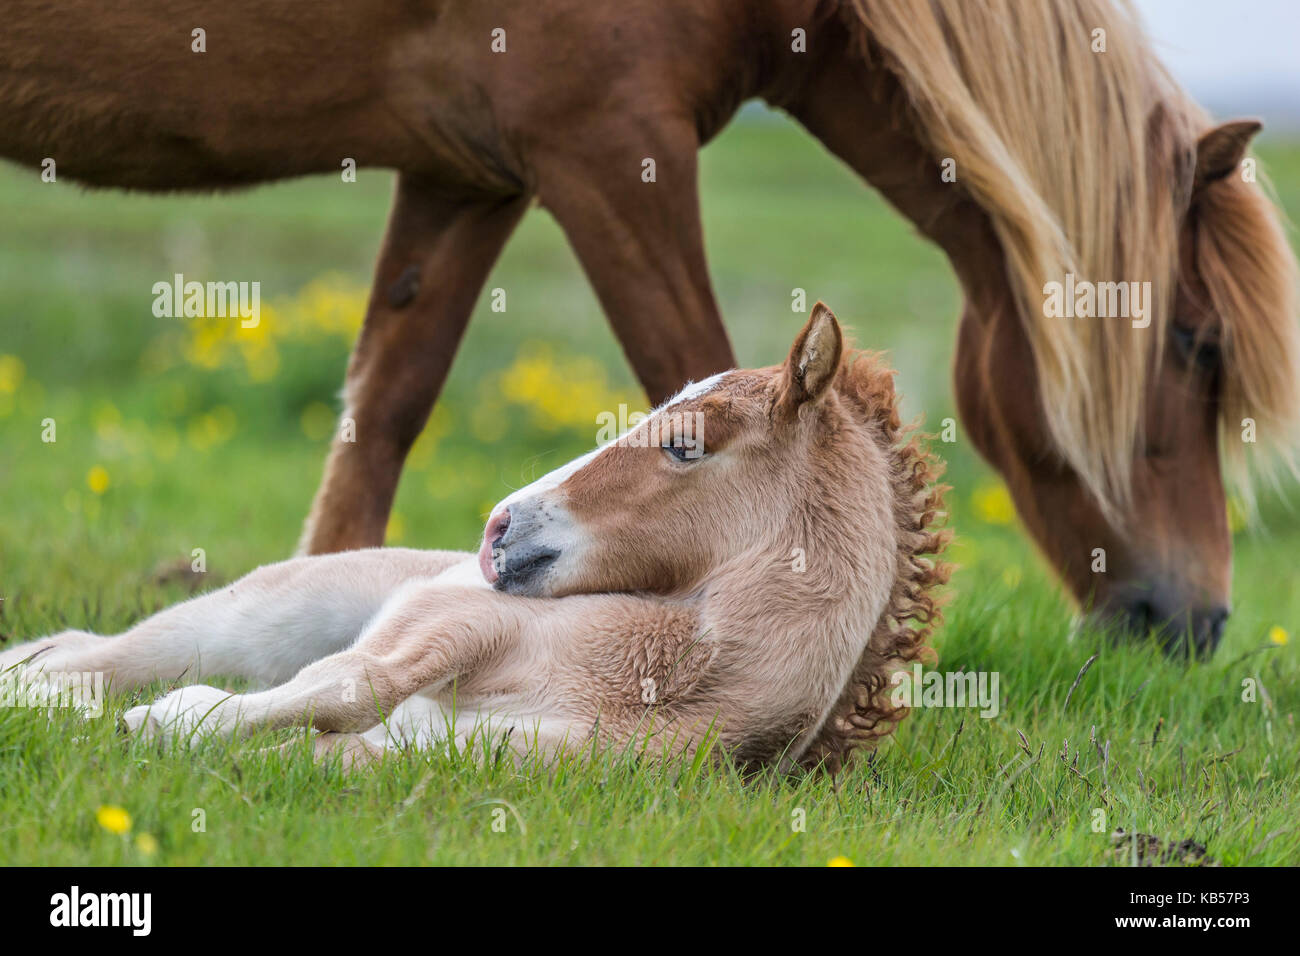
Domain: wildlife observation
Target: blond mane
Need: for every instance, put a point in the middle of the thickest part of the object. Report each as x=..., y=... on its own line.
x=1084, y=163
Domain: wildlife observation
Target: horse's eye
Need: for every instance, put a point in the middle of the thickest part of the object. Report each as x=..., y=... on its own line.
x=683, y=452
x=1202, y=353
x=1209, y=356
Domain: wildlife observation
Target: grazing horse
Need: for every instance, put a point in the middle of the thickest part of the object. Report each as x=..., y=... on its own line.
x=747, y=562
x=1038, y=142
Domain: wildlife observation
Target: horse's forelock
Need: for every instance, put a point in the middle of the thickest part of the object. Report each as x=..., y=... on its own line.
x=1254, y=287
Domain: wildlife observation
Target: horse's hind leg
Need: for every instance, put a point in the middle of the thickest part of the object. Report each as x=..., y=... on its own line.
x=436, y=256
x=642, y=247
x=265, y=627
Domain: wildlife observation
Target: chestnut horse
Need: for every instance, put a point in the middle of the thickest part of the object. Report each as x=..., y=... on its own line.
x=1036, y=141
x=760, y=582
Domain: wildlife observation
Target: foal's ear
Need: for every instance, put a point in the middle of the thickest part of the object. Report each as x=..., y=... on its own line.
x=1219, y=151
x=813, y=360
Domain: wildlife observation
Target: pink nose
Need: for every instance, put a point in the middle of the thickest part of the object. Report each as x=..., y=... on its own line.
x=497, y=525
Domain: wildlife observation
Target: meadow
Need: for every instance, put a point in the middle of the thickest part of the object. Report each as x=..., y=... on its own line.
x=178, y=434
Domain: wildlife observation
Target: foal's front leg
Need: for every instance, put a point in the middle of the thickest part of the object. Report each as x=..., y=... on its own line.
x=425, y=636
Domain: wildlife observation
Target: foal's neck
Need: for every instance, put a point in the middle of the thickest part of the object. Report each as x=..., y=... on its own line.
x=793, y=614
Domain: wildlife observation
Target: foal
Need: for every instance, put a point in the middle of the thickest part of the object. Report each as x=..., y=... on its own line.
x=746, y=562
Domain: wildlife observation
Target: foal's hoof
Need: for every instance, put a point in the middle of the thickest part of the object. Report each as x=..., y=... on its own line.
x=147, y=721
x=138, y=722
x=179, y=714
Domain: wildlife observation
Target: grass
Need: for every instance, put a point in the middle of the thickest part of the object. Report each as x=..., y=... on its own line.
x=168, y=441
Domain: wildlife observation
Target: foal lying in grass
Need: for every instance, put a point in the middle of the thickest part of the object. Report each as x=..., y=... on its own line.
x=746, y=562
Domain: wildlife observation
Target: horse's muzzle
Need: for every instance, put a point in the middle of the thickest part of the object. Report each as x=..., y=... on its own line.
x=1183, y=630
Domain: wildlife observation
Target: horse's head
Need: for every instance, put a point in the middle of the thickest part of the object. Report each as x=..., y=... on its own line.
x=1220, y=371
x=720, y=475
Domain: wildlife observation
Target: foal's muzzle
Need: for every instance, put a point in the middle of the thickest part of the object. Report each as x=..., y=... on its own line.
x=511, y=559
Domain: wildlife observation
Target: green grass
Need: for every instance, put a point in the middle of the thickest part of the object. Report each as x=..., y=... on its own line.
x=1187, y=757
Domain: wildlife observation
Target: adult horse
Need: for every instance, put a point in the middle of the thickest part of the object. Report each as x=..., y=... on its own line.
x=1075, y=158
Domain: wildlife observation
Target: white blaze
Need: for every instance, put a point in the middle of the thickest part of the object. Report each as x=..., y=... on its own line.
x=557, y=477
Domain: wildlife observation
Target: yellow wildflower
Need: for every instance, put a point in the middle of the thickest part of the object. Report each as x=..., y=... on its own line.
x=113, y=819
x=97, y=479
x=993, y=504
x=1236, y=515
x=146, y=844
x=11, y=373
x=108, y=421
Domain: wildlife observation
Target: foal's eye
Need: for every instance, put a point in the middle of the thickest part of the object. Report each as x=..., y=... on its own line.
x=684, y=453
x=1201, y=352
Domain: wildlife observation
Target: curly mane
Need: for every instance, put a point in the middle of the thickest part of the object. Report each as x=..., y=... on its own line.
x=864, y=713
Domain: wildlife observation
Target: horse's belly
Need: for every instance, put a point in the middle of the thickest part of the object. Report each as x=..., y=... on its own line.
x=130, y=95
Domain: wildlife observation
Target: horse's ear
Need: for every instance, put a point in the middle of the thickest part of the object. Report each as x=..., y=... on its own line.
x=813, y=360
x=1219, y=151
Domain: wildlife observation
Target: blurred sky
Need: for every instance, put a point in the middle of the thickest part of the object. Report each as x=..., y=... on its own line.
x=1236, y=57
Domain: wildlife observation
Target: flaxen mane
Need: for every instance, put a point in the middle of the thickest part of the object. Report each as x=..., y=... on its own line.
x=1081, y=150
x=864, y=712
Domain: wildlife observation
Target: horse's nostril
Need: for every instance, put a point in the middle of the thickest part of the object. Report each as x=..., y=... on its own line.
x=1182, y=630
x=1139, y=616
x=1208, y=627
x=497, y=526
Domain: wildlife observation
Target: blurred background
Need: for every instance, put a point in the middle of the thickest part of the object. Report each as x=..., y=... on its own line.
x=177, y=434
x=1237, y=59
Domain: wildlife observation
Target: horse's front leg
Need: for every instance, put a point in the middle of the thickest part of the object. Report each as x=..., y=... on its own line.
x=436, y=256
x=641, y=244
x=425, y=636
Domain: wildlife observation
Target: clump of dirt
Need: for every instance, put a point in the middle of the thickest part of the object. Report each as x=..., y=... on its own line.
x=181, y=571
x=1153, y=851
